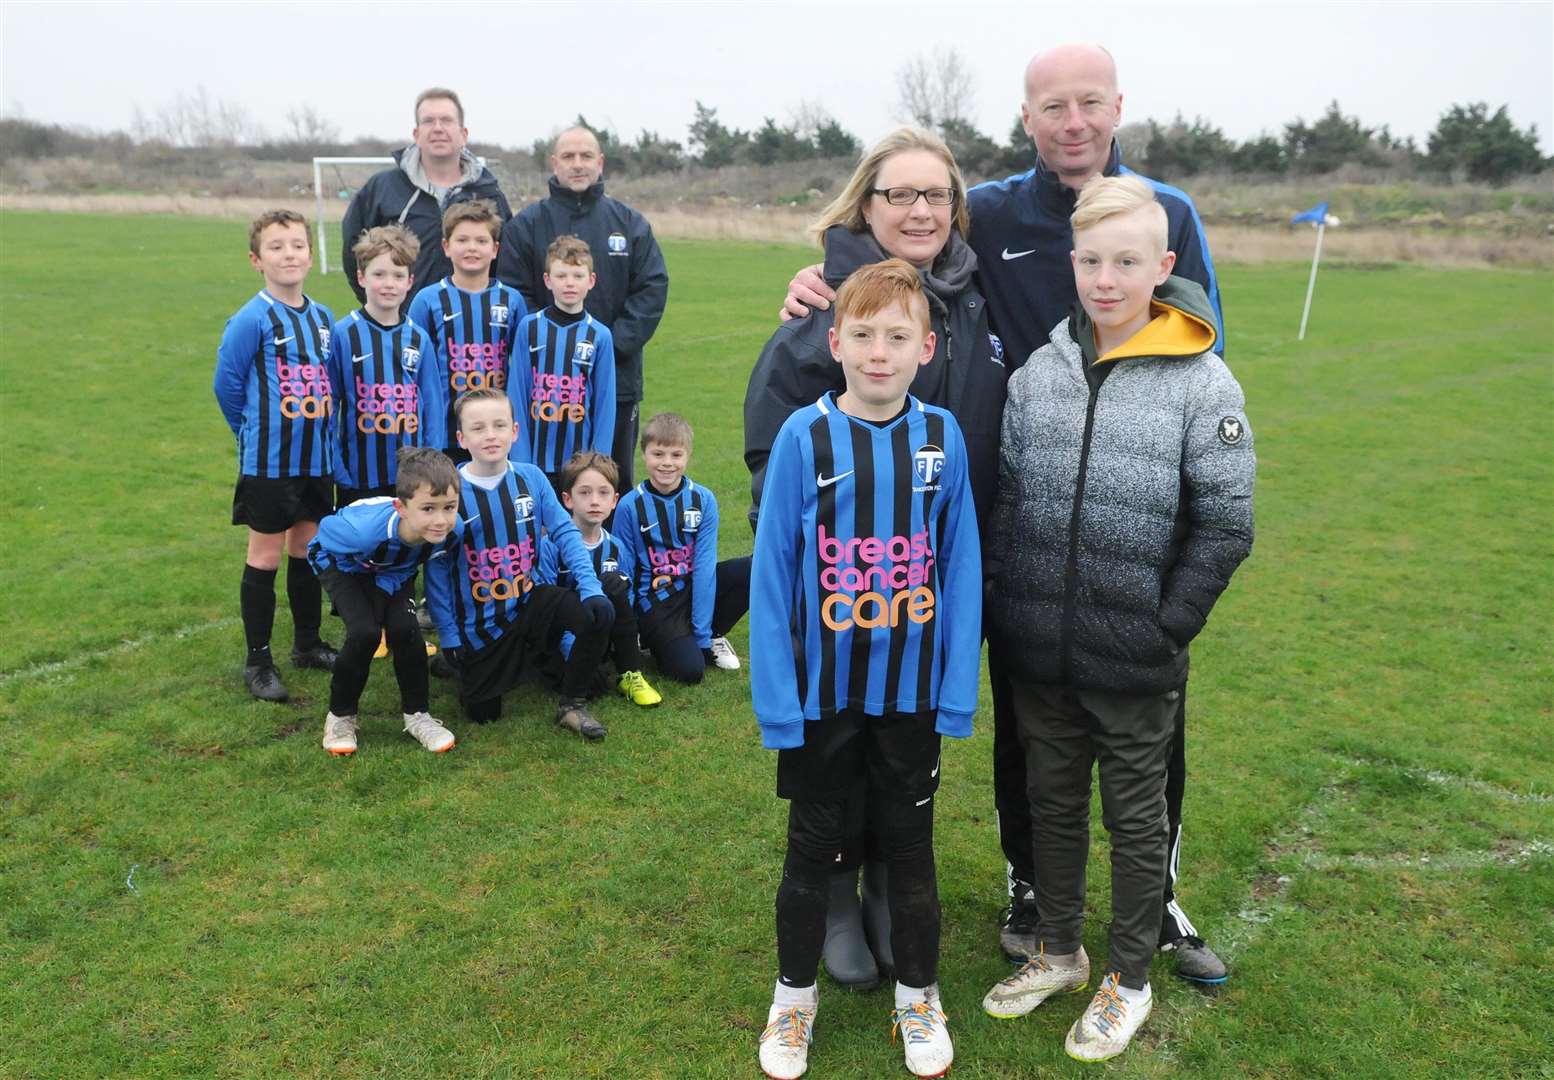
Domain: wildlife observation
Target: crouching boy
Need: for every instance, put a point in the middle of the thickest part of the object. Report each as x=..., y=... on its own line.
x=492, y=619
x=588, y=491
x=686, y=600
x=867, y=560
x=1124, y=505
x=366, y=556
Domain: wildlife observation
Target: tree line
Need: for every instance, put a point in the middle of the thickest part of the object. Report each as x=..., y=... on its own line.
x=1469, y=142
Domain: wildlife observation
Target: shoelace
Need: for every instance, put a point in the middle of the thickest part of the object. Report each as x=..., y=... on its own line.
x=1109, y=1007
x=915, y=1022
x=1035, y=964
x=791, y=1027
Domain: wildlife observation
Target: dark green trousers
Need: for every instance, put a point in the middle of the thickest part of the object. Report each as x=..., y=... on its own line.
x=1064, y=734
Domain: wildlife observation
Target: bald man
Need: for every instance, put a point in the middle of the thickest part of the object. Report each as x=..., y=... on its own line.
x=633, y=283
x=1020, y=233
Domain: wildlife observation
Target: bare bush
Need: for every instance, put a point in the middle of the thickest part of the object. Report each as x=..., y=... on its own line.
x=936, y=89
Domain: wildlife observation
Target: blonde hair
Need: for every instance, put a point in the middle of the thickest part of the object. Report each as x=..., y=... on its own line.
x=570, y=251
x=872, y=288
x=1108, y=196
x=666, y=429
x=847, y=208
x=395, y=241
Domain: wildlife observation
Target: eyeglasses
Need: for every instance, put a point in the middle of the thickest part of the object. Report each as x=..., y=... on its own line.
x=906, y=196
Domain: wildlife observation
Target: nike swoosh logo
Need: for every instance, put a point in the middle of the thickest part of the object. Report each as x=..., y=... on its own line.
x=359, y=359
x=450, y=318
x=535, y=348
x=1016, y=254
x=284, y=340
x=934, y=773
x=647, y=528
x=827, y=481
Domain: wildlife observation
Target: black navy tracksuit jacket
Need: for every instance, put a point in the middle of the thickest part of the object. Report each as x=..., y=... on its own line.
x=1020, y=232
x=633, y=283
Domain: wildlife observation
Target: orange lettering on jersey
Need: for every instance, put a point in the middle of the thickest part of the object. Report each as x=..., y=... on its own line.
x=873, y=610
x=308, y=408
x=388, y=424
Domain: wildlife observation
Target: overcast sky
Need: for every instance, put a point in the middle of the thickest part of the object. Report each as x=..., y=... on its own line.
x=525, y=70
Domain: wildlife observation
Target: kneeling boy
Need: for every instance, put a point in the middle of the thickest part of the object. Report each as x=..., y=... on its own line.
x=492, y=618
x=588, y=490
x=366, y=556
x=867, y=560
x=686, y=600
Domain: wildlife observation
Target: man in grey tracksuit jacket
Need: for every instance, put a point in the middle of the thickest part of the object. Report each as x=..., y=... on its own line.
x=404, y=195
x=1124, y=506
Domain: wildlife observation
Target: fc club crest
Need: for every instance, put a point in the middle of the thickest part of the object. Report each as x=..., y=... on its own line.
x=323, y=338
x=928, y=463
x=498, y=314
x=616, y=243
x=692, y=519
x=523, y=506
x=583, y=354
x=1231, y=431
x=410, y=359
x=609, y=566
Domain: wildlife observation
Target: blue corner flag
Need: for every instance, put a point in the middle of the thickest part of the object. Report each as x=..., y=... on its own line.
x=1317, y=214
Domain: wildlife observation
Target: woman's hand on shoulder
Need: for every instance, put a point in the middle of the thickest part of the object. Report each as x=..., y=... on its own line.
x=807, y=290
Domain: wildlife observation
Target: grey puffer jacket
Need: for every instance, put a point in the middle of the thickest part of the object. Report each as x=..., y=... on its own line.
x=1124, y=501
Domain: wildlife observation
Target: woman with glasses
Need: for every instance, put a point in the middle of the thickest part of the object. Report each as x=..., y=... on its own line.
x=906, y=199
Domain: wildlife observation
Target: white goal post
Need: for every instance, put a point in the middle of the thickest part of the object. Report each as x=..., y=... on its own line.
x=318, y=197
x=318, y=194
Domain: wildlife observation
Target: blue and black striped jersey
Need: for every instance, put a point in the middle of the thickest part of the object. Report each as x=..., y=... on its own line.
x=387, y=394
x=673, y=541
x=472, y=334
x=867, y=559
x=272, y=383
x=562, y=389
x=479, y=593
x=609, y=556
x=363, y=538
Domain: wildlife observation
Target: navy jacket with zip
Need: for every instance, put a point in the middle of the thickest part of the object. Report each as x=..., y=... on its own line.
x=633, y=283
x=1020, y=232
x=392, y=197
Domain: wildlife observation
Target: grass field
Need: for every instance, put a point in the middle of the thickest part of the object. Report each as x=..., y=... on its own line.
x=189, y=886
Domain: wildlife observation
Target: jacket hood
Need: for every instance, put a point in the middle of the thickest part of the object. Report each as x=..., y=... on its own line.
x=409, y=160
x=949, y=276
x=1181, y=324
x=577, y=200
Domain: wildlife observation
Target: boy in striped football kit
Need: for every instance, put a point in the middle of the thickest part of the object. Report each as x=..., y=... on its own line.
x=563, y=384
x=493, y=617
x=686, y=600
x=272, y=383
x=367, y=555
x=383, y=374
x=588, y=485
x=470, y=316
x=867, y=559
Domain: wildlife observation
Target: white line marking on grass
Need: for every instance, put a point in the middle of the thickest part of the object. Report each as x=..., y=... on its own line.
x=1441, y=779
x=69, y=666
x=1449, y=861
x=129, y=882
